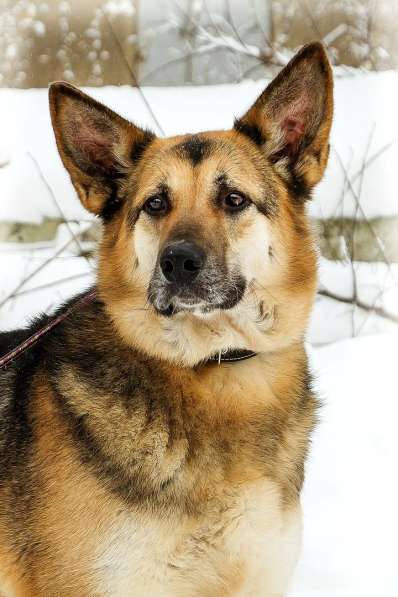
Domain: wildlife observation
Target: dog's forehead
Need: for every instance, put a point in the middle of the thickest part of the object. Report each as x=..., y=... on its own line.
x=196, y=148
x=203, y=158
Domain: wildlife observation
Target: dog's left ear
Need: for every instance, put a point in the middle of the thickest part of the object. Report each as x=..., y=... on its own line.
x=96, y=145
x=291, y=119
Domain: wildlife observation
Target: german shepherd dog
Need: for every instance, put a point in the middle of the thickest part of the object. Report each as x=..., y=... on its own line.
x=142, y=452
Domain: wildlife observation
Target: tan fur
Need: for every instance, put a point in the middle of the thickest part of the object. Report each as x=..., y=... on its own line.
x=149, y=470
x=241, y=530
x=188, y=339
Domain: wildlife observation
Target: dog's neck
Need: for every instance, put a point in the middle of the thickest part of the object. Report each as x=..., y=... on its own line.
x=187, y=340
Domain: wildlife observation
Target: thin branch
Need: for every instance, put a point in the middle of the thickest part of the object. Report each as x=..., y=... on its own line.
x=133, y=76
x=333, y=35
x=259, y=23
x=312, y=21
x=230, y=21
x=58, y=207
x=353, y=235
x=192, y=54
x=374, y=157
x=354, y=194
x=365, y=306
x=36, y=271
x=382, y=292
x=49, y=285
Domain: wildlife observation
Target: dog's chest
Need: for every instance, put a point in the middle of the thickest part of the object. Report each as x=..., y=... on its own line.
x=246, y=547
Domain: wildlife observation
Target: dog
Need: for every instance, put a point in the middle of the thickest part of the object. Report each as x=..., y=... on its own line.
x=153, y=443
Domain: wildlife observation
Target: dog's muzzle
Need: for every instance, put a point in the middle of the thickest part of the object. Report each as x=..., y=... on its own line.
x=185, y=279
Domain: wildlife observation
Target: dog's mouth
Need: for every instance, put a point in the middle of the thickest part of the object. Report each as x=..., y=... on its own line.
x=201, y=300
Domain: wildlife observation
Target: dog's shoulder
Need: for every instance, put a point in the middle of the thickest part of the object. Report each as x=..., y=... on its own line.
x=17, y=377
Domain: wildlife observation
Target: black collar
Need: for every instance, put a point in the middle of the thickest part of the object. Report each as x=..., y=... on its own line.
x=231, y=356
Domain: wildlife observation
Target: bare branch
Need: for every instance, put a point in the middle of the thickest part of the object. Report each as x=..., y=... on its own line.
x=361, y=210
x=133, y=76
x=359, y=303
x=333, y=35
x=58, y=207
x=36, y=271
x=49, y=285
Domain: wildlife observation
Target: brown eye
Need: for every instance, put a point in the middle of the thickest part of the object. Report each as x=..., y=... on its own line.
x=157, y=205
x=235, y=202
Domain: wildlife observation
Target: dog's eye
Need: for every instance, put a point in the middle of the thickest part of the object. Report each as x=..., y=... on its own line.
x=156, y=205
x=234, y=202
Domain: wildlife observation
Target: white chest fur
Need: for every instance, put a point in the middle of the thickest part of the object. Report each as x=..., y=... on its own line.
x=247, y=548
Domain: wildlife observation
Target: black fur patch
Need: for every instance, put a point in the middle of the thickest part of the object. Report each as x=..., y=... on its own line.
x=251, y=131
x=195, y=149
x=317, y=156
x=141, y=145
x=16, y=434
x=112, y=205
x=298, y=188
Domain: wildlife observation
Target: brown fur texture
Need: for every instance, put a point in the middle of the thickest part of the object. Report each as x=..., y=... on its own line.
x=129, y=463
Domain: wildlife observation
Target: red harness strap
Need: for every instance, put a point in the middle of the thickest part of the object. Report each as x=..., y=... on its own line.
x=11, y=356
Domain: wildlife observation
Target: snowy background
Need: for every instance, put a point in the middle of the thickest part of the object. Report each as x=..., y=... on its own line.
x=198, y=64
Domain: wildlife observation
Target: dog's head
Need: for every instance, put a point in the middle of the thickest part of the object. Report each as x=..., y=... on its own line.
x=206, y=244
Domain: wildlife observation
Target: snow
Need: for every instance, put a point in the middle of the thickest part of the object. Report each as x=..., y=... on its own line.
x=61, y=277
x=351, y=488
x=377, y=285
x=365, y=130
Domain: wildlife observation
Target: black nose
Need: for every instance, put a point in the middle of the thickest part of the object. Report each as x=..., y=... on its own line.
x=181, y=262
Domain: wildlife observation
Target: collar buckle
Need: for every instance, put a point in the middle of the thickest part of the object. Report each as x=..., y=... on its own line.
x=231, y=356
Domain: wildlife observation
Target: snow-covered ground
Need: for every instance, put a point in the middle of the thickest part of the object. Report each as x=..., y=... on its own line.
x=351, y=491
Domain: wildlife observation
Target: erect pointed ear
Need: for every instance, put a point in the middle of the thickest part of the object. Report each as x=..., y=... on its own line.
x=291, y=119
x=96, y=145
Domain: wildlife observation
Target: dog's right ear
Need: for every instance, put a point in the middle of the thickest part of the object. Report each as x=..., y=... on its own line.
x=96, y=145
x=290, y=121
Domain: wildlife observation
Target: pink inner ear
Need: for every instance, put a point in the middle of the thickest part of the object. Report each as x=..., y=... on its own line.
x=293, y=130
x=294, y=121
x=97, y=147
x=92, y=138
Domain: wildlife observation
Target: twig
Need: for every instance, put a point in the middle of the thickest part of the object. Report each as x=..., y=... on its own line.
x=260, y=25
x=231, y=23
x=36, y=271
x=365, y=306
x=161, y=68
x=352, y=190
x=133, y=77
x=374, y=157
x=58, y=207
x=353, y=235
x=49, y=285
x=337, y=32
